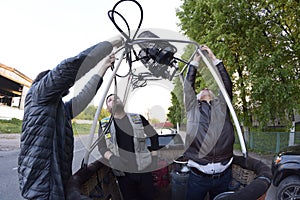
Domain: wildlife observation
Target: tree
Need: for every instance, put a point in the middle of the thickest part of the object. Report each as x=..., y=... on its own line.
x=154, y=121
x=104, y=113
x=89, y=112
x=281, y=20
x=259, y=45
x=174, y=112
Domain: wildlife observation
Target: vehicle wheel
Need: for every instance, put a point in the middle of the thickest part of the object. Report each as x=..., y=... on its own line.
x=289, y=188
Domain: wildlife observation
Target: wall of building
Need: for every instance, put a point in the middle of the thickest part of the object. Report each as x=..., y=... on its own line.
x=7, y=112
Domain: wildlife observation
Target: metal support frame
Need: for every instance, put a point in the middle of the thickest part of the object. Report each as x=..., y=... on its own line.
x=206, y=61
x=100, y=105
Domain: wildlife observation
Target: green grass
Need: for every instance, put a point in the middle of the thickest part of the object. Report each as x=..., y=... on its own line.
x=10, y=126
x=15, y=126
x=83, y=128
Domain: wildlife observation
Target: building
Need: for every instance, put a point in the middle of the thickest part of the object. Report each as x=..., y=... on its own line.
x=14, y=86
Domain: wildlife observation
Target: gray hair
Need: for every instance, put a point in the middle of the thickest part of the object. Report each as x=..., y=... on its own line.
x=212, y=95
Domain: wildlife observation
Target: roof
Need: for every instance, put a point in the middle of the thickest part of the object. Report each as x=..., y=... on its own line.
x=15, y=75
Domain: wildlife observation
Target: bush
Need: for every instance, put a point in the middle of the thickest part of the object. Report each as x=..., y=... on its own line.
x=79, y=129
x=11, y=126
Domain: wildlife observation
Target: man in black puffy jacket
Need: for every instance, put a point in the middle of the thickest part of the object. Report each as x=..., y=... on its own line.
x=210, y=134
x=45, y=159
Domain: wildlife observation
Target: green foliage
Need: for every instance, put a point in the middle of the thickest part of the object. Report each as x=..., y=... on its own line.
x=297, y=127
x=10, y=126
x=259, y=43
x=270, y=141
x=79, y=129
x=15, y=126
x=174, y=114
x=104, y=113
x=154, y=121
x=176, y=111
x=89, y=113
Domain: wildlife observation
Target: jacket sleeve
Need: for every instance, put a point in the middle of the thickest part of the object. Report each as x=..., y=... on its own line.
x=64, y=75
x=78, y=103
x=190, y=100
x=151, y=132
x=102, y=147
x=225, y=78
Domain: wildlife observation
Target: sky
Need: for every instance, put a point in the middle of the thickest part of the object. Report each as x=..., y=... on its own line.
x=38, y=34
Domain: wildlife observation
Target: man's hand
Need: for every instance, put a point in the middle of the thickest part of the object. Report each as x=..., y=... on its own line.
x=107, y=155
x=197, y=57
x=211, y=55
x=108, y=62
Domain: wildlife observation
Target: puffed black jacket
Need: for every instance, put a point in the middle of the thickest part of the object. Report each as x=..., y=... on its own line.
x=210, y=133
x=45, y=159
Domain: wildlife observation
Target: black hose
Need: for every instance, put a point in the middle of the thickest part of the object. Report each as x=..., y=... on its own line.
x=128, y=48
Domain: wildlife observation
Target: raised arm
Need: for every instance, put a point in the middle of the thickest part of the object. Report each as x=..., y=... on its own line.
x=102, y=147
x=58, y=80
x=152, y=134
x=190, y=100
x=78, y=103
x=221, y=69
x=225, y=78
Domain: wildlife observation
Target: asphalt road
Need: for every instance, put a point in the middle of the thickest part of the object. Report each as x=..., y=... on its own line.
x=9, y=187
x=9, y=150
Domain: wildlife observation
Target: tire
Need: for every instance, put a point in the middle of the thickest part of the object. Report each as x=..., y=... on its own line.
x=289, y=188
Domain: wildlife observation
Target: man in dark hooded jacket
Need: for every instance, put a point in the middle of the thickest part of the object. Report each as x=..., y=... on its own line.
x=45, y=159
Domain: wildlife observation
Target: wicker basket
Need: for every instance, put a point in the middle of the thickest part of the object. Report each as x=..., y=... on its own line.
x=250, y=175
x=101, y=185
x=96, y=182
x=242, y=175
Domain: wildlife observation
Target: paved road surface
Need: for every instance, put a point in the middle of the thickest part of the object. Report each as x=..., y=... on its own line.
x=9, y=150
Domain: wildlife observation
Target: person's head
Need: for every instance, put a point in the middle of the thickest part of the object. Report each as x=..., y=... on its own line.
x=44, y=73
x=40, y=76
x=206, y=95
x=114, y=103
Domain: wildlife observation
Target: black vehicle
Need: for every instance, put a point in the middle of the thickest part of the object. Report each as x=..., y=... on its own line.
x=169, y=142
x=286, y=173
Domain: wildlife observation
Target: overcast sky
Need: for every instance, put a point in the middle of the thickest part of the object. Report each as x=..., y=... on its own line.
x=38, y=34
